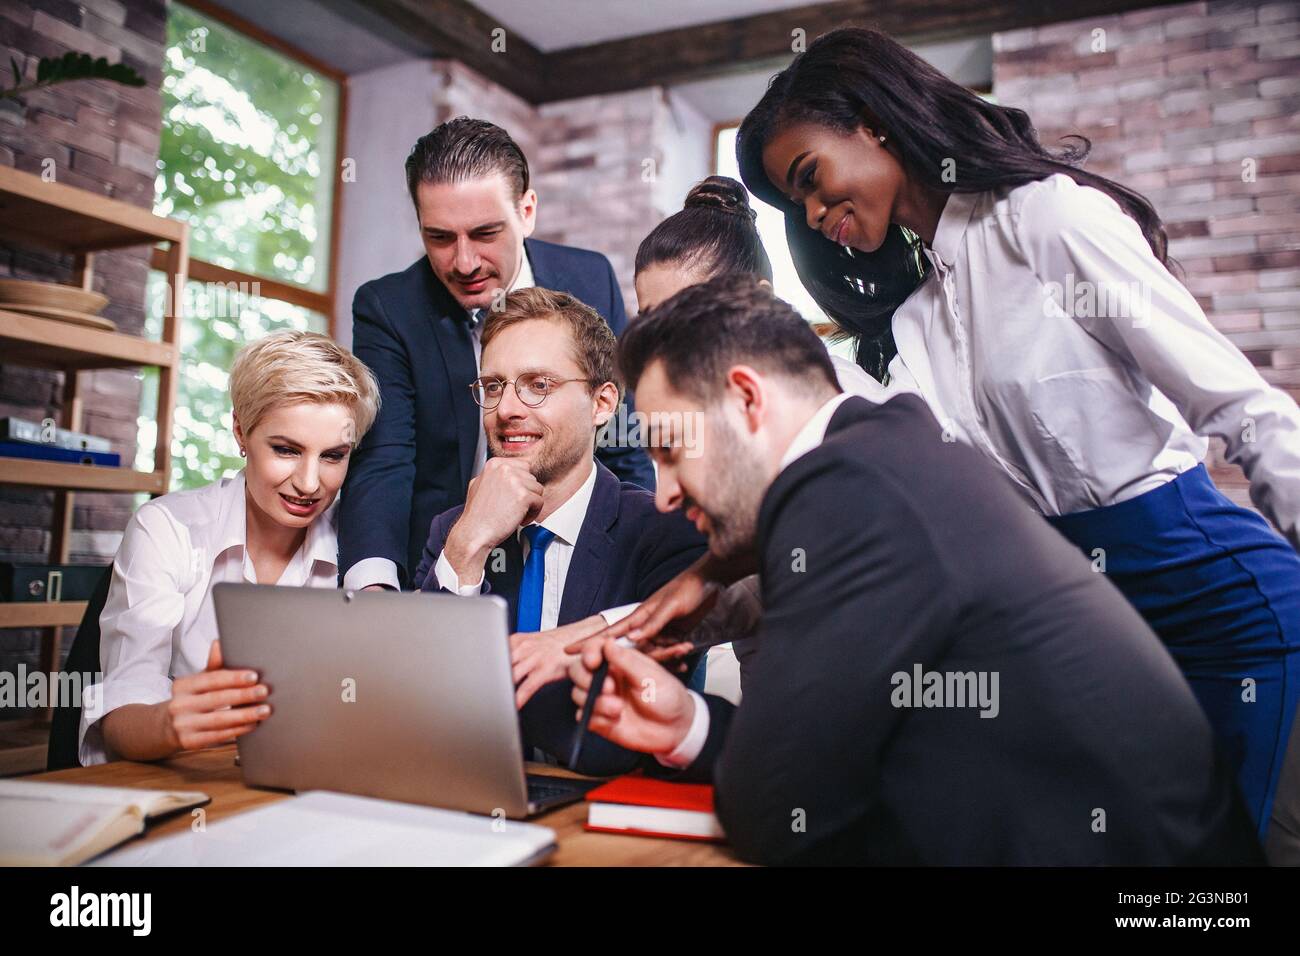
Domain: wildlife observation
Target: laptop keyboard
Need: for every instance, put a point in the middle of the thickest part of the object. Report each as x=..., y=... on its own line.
x=543, y=789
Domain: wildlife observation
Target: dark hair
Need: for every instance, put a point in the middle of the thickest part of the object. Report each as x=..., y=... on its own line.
x=465, y=148
x=853, y=77
x=714, y=231
x=705, y=329
x=594, y=345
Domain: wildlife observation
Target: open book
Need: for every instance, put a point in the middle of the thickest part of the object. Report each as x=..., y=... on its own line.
x=62, y=824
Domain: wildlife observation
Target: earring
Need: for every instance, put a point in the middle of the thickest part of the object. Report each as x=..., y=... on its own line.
x=243, y=453
x=881, y=137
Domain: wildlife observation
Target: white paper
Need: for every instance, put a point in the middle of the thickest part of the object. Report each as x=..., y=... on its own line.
x=330, y=829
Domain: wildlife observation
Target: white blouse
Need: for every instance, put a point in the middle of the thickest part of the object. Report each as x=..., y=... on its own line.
x=1050, y=338
x=855, y=380
x=158, y=622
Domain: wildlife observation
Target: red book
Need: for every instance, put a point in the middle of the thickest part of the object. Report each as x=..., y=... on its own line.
x=646, y=807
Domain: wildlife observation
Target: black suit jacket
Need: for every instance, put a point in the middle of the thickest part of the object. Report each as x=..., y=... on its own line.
x=417, y=459
x=626, y=550
x=886, y=548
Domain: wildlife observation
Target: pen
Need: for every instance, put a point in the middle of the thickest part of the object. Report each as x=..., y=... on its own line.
x=598, y=681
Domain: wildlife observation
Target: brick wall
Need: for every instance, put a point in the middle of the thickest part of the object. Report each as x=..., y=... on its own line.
x=591, y=174
x=102, y=137
x=1174, y=100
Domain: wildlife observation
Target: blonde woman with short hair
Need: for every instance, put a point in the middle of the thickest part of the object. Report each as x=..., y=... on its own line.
x=301, y=404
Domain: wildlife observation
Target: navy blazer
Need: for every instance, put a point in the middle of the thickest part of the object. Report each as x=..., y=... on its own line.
x=626, y=550
x=417, y=459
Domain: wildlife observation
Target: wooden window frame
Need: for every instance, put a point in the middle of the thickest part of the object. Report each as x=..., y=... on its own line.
x=269, y=288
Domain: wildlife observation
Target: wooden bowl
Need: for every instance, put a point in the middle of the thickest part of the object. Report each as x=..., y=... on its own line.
x=50, y=295
x=63, y=315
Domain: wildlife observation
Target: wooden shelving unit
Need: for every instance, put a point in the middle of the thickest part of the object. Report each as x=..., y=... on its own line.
x=63, y=218
x=41, y=613
x=44, y=343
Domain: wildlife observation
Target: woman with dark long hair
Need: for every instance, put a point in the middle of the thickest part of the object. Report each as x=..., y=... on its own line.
x=1032, y=303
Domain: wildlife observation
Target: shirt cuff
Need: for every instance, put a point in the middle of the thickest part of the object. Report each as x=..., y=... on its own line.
x=688, y=751
x=613, y=615
x=448, y=581
x=99, y=700
x=370, y=571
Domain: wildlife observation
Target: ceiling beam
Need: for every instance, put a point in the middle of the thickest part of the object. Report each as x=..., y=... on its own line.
x=714, y=49
x=459, y=30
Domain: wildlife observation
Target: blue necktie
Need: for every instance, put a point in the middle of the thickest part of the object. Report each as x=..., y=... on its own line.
x=530, y=589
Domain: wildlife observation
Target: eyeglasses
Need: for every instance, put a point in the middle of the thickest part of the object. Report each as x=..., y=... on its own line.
x=531, y=387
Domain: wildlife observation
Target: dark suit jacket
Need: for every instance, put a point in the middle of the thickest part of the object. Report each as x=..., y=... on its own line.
x=915, y=551
x=417, y=459
x=626, y=551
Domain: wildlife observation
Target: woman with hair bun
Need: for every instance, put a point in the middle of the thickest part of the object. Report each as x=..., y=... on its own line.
x=715, y=233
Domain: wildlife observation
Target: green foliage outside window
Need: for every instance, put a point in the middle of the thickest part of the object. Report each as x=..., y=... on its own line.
x=247, y=159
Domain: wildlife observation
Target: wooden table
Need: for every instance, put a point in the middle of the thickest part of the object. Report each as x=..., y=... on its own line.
x=214, y=772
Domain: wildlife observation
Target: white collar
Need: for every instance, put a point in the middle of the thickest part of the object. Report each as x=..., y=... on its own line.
x=320, y=544
x=524, y=280
x=233, y=511
x=951, y=229
x=813, y=432
x=566, y=520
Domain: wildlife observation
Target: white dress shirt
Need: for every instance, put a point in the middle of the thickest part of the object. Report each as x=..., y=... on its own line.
x=158, y=622
x=805, y=440
x=1051, y=338
x=377, y=570
x=856, y=380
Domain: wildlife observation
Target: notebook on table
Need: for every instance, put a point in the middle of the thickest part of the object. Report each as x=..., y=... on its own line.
x=320, y=828
x=643, y=806
x=62, y=824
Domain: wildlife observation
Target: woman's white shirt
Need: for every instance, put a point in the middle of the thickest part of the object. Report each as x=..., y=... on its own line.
x=1051, y=338
x=855, y=380
x=158, y=622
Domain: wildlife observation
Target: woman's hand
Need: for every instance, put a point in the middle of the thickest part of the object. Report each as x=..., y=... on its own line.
x=214, y=707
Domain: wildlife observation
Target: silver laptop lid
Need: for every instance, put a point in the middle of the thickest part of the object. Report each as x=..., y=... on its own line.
x=400, y=696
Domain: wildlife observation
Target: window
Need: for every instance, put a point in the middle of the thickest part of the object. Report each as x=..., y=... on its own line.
x=771, y=229
x=248, y=159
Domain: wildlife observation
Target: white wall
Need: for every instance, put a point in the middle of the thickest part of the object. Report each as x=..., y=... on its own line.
x=686, y=153
x=388, y=110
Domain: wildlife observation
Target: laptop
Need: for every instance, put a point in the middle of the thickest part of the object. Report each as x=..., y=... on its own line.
x=394, y=695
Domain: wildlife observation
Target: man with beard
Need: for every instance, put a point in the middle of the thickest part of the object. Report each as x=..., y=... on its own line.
x=940, y=678
x=545, y=525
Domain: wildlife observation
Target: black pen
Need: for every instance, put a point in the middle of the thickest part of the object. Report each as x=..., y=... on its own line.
x=598, y=681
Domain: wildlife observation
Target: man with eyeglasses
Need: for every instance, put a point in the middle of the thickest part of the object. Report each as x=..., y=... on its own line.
x=545, y=525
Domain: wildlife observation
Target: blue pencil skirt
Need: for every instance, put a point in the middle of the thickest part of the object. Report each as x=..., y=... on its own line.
x=1222, y=590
